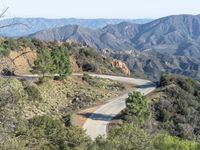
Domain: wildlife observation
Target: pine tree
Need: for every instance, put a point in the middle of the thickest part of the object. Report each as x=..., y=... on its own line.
x=44, y=63
x=62, y=63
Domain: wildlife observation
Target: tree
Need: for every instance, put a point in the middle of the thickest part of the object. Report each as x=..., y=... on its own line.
x=62, y=63
x=44, y=63
x=137, y=105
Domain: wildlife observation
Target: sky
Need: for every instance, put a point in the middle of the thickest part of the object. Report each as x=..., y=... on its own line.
x=125, y=9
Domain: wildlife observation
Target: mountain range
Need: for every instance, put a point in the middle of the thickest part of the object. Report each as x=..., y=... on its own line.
x=177, y=35
x=28, y=26
x=169, y=44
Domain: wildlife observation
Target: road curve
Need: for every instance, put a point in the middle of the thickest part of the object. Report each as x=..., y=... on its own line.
x=97, y=122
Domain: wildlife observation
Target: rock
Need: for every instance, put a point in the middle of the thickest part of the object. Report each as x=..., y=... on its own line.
x=122, y=66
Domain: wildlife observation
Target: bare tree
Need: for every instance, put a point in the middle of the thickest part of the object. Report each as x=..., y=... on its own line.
x=2, y=14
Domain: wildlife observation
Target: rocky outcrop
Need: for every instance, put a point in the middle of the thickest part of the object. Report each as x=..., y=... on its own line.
x=122, y=66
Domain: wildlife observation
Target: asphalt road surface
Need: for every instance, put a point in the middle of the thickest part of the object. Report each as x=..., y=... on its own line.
x=97, y=121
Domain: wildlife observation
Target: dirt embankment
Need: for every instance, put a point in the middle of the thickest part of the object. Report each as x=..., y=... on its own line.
x=20, y=62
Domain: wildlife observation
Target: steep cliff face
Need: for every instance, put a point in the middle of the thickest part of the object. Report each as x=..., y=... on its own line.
x=122, y=66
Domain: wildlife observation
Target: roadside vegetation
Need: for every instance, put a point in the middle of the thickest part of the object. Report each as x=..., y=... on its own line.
x=168, y=119
x=52, y=62
x=37, y=116
x=137, y=108
x=177, y=109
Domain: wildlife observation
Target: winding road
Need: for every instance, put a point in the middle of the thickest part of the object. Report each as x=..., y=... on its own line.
x=97, y=122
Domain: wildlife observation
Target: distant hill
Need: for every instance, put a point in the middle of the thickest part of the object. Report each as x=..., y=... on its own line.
x=179, y=35
x=37, y=24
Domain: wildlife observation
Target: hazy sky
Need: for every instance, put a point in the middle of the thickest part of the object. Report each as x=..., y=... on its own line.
x=99, y=8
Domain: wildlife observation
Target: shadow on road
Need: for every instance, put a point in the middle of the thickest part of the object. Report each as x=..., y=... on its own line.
x=95, y=116
x=144, y=86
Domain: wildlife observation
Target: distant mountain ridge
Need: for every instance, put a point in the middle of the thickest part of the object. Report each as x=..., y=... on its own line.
x=179, y=35
x=37, y=24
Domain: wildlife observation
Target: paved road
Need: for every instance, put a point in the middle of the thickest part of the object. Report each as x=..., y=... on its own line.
x=97, y=122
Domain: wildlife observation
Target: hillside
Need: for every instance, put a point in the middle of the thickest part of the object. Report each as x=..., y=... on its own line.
x=153, y=64
x=18, y=56
x=36, y=114
x=27, y=108
x=176, y=106
x=171, y=109
x=177, y=35
x=32, y=25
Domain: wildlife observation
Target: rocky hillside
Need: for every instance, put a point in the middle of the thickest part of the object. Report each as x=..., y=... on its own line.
x=177, y=35
x=18, y=56
x=152, y=65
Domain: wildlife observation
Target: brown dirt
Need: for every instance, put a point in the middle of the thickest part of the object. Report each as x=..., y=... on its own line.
x=20, y=61
x=73, y=61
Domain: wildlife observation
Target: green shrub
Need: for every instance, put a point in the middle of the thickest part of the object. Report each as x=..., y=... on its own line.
x=4, y=52
x=33, y=93
x=137, y=105
x=178, y=107
x=165, y=80
x=185, y=84
x=125, y=137
x=87, y=52
x=67, y=120
x=167, y=142
x=44, y=132
x=10, y=44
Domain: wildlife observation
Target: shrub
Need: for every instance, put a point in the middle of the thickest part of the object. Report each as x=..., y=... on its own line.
x=165, y=80
x=33, y=93
x=87, y=52
x=4, y=52
x=44, y=132
x=137, y=105
x=89, y=67
x=125, y=137
x=167, y=142
x=67, y=120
